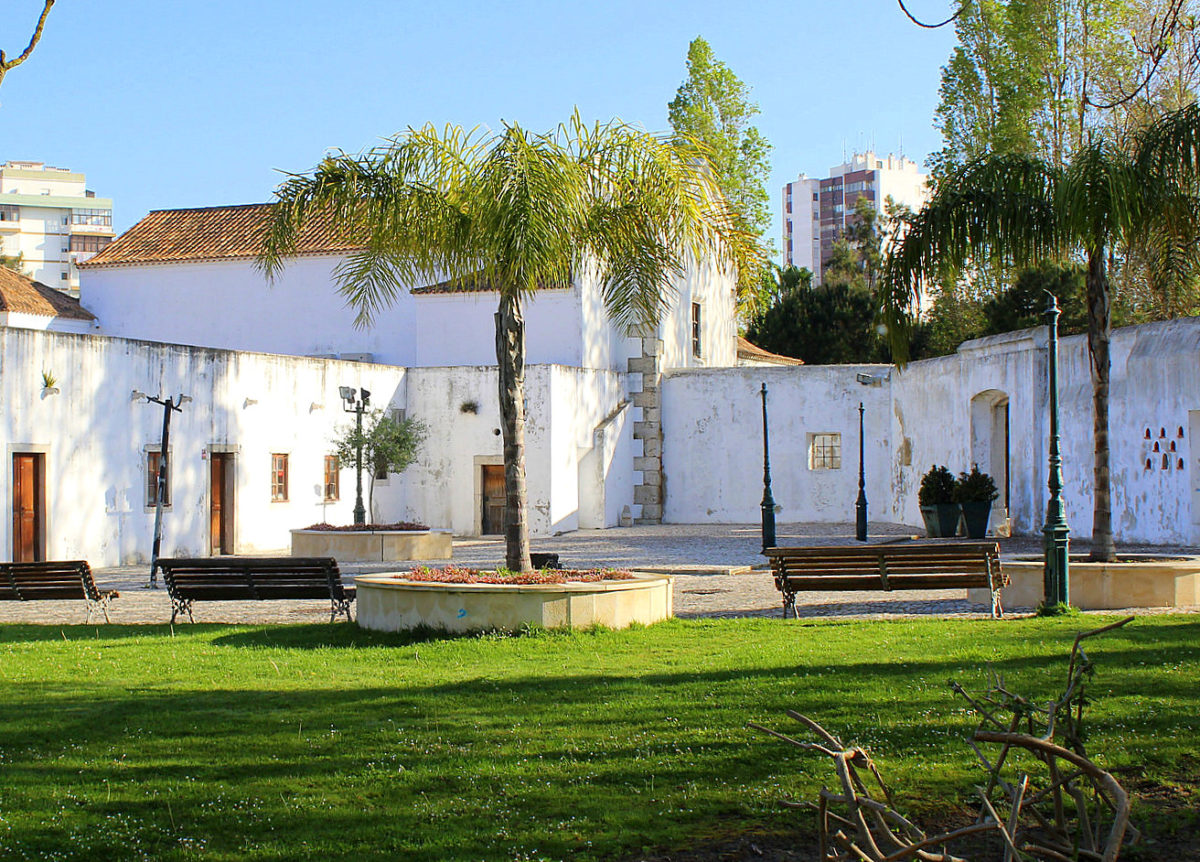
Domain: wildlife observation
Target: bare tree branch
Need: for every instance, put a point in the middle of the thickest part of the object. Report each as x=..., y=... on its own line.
x=6, y=64
x=904, y=9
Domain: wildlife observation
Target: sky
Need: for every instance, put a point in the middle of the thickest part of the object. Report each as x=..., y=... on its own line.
x=176, y=103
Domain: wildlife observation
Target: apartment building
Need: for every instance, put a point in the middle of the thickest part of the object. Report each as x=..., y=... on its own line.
x=52, y=221
x=817, y=211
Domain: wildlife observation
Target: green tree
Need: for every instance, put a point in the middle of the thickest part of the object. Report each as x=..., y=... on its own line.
x=7, y=63
x=1021, y=210
x=15, y=262
x=388, y=446
x=513, y=212
x=713, y=107
x=1023, y=304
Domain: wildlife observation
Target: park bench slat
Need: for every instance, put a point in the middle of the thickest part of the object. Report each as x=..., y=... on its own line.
x=915, y=566
x=54, y=580
x=191, y=579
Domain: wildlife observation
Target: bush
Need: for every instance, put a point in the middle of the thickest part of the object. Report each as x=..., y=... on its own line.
x=975, y=487
x=937, y=486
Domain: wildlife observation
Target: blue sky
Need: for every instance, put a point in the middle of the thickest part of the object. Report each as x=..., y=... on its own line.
x=181, y=104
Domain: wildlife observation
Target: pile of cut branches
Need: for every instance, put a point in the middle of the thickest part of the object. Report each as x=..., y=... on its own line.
x=1045, y=798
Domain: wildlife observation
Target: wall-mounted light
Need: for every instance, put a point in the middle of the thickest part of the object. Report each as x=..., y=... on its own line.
x=315, y=406
x=138, y=395
x=872, y=379
x=249, y=402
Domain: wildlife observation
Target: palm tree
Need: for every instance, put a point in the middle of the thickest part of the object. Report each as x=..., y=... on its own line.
x=515, y=212
x=1021, y=210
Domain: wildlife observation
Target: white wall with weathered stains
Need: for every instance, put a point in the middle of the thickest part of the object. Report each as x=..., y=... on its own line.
x=949, y=410
x=713, y=443
x=93, y=435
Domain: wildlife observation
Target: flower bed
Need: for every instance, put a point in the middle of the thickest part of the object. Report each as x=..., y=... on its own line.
x=399, y=526
x=504, y=600
x=462, y=575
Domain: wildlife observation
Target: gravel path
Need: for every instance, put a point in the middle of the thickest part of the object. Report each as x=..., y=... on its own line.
x=718, y=571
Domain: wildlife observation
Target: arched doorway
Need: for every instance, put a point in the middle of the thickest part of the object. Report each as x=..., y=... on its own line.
x=990, y=449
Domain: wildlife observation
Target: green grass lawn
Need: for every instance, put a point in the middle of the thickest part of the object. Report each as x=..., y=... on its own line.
x=284, y=742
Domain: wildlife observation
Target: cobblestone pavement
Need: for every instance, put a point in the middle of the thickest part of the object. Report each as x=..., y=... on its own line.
x=718, y=571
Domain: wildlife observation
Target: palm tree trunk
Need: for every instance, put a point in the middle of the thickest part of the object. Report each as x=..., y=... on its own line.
x=510, y=357
x=1099, y=332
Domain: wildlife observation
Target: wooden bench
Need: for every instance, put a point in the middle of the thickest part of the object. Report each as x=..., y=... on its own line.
x=258, y=578
x=52, y=580
x=911, y=566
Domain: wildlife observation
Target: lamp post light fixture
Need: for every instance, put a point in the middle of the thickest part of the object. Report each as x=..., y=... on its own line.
x=352, y=404
x=170, y=405
x=860, y=506
x=768, y=502
x=1056, y=568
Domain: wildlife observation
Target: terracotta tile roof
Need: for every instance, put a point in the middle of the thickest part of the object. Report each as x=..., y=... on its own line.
x=746, y=350
x=208, y=233
x=21, y=294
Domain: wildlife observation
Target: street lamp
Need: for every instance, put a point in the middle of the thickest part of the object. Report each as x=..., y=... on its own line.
x=170, y=406
x=1055, y=572
x=768, y=502
x=351, y=404
x=860, y=507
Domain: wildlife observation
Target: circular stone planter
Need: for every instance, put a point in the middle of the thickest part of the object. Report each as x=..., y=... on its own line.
x=390, y=603
x=373, y=545
x=1140, y=581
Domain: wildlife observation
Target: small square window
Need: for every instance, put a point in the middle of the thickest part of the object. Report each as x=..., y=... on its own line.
x=279, y=478
x=154, y=461
x=332, y=475
x=825, y=451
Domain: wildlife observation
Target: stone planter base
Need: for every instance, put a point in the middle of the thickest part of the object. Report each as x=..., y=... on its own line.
x=1146, y=582
x=384, y=545
x=387, y=603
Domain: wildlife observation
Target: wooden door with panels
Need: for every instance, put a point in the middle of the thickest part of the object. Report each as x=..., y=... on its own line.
x=28, y=507
x=221, y=502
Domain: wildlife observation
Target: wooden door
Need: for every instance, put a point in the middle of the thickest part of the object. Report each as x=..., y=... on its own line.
x=28, y=507
x=221, y=508
x=493, y=499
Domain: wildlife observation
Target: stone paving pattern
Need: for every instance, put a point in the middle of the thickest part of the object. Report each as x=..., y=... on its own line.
x=718, y=571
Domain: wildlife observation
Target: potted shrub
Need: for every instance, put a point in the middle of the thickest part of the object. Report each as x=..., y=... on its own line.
x=938, y=508
x=975, y=492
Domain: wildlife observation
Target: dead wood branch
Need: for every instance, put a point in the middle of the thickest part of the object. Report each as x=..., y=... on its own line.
x=6, y=64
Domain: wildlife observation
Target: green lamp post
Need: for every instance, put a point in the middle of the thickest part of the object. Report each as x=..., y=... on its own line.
x=1056, y=575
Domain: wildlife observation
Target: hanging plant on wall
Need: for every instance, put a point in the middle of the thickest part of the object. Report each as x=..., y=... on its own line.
x=49, y=384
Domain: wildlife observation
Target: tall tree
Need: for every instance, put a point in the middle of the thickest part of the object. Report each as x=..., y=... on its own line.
x=6, y=63
x=1022, y=210
x=515, y=212
x=713, y=107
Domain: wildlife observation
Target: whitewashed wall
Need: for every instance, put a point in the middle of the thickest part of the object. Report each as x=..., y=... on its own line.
x=93, y=435
x=712, y=448
x=568, y=444
x=941, y=411
x=229, y=304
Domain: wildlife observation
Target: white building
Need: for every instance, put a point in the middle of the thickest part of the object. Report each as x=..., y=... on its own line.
x=50, y=218
x=817, y=211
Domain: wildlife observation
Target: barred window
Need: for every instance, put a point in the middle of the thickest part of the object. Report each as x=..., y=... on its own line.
x=825, y=452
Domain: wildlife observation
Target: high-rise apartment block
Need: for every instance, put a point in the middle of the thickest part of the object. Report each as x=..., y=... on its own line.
x=50, y=218
x=817, y=211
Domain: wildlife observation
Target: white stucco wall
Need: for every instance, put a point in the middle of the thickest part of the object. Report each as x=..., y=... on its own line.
x=93, y=436
x=945, y=411
x=229, y=304
x=712, y=449
x=460, y=328
x=565, y=407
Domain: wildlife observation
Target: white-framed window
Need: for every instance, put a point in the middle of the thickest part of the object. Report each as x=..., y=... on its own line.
x=825, y=451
